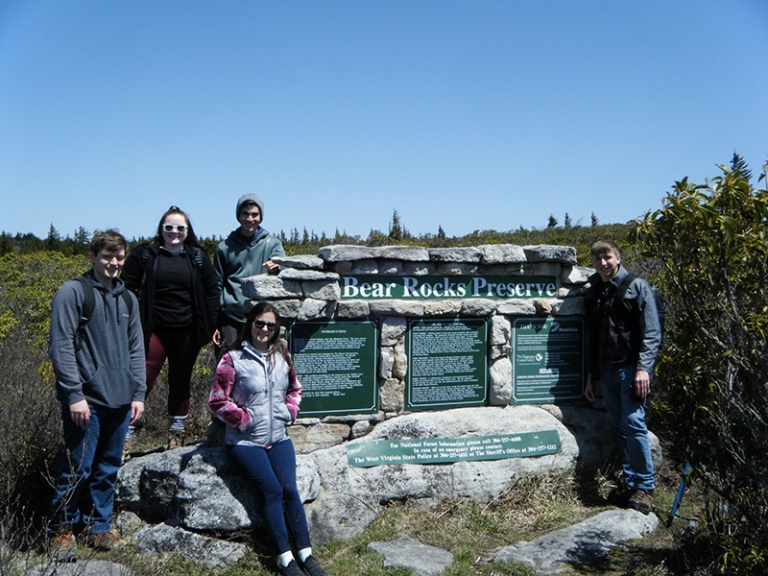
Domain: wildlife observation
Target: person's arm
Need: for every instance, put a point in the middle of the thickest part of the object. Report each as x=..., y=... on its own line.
x=649, y=326
x=132, y=271
x=211, y=288
x=293, y=394
x=220, y=399
x=136, y=351
x=66, y=311
x=276, y=250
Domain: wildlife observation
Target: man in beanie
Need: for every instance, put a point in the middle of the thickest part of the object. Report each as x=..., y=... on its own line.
x=247, y=251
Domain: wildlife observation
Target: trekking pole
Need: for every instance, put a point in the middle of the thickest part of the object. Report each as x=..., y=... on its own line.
x=679, y=496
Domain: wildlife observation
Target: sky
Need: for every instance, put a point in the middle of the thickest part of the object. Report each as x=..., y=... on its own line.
x=465, y=115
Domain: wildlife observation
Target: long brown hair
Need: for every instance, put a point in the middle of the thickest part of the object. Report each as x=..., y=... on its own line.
x=276, y=342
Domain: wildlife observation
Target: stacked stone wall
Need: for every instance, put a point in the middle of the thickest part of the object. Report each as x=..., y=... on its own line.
x=309, y=288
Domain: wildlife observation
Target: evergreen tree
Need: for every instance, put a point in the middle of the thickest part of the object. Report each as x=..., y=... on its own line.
x=738, y=163
x=53, y=241
x=552, y=221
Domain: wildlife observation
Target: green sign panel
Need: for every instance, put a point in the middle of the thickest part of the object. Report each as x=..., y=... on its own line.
x=547, y=359
x=441, y=450
x=447, y=366
x=404, y=287
x=336, y=364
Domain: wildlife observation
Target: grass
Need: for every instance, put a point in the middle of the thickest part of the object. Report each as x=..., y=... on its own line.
x=535, y=505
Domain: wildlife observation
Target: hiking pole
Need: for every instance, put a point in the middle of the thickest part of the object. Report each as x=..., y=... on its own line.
x=679, y=496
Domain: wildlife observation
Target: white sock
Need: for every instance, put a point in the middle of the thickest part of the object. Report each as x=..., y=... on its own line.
x=285, y=558
x=177, y=423
x=305, y=553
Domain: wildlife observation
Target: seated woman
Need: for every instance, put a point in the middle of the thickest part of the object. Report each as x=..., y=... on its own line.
x=256, y=393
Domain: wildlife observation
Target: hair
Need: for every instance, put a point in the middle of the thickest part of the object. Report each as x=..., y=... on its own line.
x=604, y=246
x=110, y=240
x=190, y=240
x=276, y=342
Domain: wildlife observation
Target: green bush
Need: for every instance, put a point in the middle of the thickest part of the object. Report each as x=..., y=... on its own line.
x=710, y=244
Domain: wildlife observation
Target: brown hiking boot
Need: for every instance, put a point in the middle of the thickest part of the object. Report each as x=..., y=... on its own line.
x=641, y=500
x=104, y=542
x=175, y=439
x=62, y=547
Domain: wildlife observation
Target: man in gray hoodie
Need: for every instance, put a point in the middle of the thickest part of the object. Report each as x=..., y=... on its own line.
x=247, y=251
x=97, y=350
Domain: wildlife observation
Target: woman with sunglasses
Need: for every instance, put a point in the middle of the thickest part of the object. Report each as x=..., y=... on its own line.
x=256, y=393
x=178, y=294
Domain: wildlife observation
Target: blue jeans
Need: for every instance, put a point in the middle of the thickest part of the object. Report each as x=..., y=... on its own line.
x=274, y=472
x=94, y=454
x=626, y=413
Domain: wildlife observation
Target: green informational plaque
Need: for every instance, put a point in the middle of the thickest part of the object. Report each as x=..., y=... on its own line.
x=447, y=365
x=336, y=363
x=441, y=450
x=547, y=359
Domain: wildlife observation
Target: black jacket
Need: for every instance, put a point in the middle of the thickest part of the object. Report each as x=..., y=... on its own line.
x=139, y=277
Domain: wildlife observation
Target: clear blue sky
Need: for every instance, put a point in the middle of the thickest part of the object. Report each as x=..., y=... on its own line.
x=473, y=115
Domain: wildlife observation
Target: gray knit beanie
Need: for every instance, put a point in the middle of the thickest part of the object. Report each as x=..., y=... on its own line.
x=249, y=198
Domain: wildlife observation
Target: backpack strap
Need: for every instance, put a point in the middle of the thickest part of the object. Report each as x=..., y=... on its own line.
x=90, y=302
x=623, y=286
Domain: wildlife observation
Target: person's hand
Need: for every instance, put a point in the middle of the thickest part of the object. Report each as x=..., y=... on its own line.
x=271, y=267
x=216, y=337
x=137, y=409
x=642, y=383
x=80, y=413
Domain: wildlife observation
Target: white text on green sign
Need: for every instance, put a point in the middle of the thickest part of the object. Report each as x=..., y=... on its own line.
x=385, y=287
x=442, y=450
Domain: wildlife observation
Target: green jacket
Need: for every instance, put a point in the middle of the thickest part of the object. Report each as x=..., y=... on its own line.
x=239, y=257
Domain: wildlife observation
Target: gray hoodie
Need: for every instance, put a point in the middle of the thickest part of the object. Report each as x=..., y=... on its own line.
x=106, y=366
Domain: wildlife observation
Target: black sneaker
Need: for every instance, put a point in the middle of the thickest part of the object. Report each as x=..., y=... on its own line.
x=291, y=570
x=620, y=495
x=312, y=568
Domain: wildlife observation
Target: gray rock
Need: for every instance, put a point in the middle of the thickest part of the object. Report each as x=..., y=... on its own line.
x=409, y=308
x=352, y=309
x=418, y=268
x=300, y=262
x=405, y=253
x=316, y=309
x=405, y=552
x=582, y=543
x=211, y=552
x=576, y=275
x=302, y=275
x=307, y=439
x=390, y=267
x=321, y=290
x=501, y=254
x=268, y=287
x=442, y=307
x=471, y=254
x=346, y=252
x=81, y=568
x=367, y=266
x=548, y=253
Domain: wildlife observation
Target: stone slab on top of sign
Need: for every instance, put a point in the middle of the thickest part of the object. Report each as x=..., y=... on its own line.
x=550, y=253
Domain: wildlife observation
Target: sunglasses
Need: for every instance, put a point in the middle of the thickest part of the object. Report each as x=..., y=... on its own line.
x=261, y=324
x=171, y=228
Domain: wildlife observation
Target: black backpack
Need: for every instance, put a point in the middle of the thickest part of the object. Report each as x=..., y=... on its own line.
x=90, y=302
